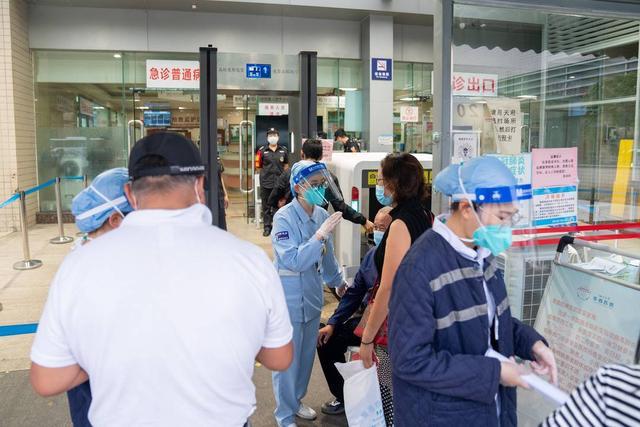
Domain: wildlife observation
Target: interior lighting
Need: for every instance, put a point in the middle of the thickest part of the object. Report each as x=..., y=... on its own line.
x=527, y=97
x=194, y=6
x=348, y=89
x=410, y=98
x=572, y=77
x=117, y=55
x=142, y=108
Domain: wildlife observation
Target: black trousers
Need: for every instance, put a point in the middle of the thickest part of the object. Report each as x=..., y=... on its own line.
x=267, y=211
x=79, y=402
x=333, y=351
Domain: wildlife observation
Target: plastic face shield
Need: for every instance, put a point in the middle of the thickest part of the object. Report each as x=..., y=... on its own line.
x=318, y=176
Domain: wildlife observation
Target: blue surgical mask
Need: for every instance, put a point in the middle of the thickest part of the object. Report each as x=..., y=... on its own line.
x=496, y=238
x=383, y=199
x=377, y=237
x=315, y=196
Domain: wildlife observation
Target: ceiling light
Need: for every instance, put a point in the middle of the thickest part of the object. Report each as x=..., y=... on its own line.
x=527, y=97
x=181, y=108
x=142, y=108
x=117, y=55
x=483, y=25
x=410, y=98
x=242, y=108
x=348, y=89
x=194, y=6
x=572, y=77
x=98, y=108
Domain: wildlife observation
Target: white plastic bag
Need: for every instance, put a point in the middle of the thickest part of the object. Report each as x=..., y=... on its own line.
x=362, y=401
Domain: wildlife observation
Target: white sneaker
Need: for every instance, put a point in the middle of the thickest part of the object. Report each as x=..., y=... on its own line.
x=306, y=413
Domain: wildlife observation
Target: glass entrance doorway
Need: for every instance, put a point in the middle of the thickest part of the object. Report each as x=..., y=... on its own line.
x=243, y=121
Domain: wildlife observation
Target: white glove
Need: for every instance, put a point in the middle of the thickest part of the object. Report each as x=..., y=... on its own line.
x=328, y=225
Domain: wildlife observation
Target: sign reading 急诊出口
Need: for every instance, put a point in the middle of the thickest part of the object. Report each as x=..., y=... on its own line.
x=381, y=69
x=474, y=84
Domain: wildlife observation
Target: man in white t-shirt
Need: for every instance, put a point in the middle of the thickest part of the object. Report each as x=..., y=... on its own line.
x=166, y=314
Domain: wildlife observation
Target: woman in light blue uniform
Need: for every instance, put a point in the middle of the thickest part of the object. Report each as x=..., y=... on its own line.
x=304, y=258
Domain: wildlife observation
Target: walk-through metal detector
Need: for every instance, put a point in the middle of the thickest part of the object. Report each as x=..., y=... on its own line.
x=302, y=121
x=209, y=125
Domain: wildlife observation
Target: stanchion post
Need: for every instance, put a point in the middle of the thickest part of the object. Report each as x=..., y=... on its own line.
x=61, y=238
x=27, y=263
x=85, y=184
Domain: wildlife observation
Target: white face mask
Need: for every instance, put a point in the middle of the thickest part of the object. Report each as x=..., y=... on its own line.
x=273, y=140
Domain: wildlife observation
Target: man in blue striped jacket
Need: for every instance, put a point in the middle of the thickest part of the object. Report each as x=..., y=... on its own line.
x=449, y=307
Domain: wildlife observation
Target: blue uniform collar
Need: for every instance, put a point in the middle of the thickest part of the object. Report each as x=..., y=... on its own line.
x=302, y=214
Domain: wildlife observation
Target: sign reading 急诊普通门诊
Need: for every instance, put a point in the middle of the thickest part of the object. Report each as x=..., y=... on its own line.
x=173, y=74
x=381, y=69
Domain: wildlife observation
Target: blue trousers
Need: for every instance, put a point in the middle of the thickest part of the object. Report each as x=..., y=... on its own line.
x=79, y=402
x=290, y=386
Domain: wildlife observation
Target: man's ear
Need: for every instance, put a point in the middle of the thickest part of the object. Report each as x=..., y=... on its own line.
x=129, y=194
x=115, y=220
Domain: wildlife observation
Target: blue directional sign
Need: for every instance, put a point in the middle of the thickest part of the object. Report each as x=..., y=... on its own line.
x=258, y=71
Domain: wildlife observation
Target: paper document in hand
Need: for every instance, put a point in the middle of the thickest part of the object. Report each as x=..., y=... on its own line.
x=536, y=383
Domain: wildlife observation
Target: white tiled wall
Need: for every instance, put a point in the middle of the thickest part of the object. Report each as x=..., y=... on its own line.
x=17, y=113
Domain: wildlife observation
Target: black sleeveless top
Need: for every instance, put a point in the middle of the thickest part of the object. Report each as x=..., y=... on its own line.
x=415, y=217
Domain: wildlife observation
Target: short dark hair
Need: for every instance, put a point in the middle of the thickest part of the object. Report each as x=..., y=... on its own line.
x=312, y=149
x=339, y=133
x=455, y=206
x=160, y=183
x=404, y=174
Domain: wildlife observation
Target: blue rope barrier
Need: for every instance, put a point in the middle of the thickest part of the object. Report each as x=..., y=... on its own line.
x=40, y=187
x=10, y=200
x=10, y=330
x=73, y=178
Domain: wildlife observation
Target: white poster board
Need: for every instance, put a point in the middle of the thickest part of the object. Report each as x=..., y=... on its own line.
x=588, y=322
x=465, y=146
x=507, y=121
x=409, y=114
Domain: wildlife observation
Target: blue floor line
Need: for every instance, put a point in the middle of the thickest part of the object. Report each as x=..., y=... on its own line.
x=9, y=330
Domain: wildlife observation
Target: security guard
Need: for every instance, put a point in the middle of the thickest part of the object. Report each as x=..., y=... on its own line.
x=349, y=144
x=272, y=160
x=304, y=258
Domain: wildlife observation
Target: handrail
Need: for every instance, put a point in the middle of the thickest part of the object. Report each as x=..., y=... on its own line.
x=245, y=123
